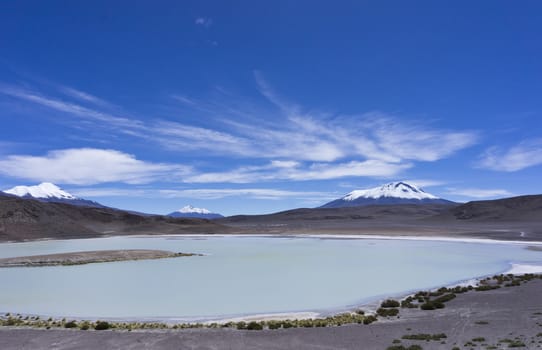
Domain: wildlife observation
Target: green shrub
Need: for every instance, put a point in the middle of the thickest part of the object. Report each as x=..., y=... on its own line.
x=387, y=312
x=390, y=303
x=255, y=326
x=432, y=305
x=486, y=287
x=516, y=344
x=102, y=325
x=71, y=324
x=444, y=298
x=273, y=324
x=402, y=347
x=241, y=325
x=369, y=319
x=287, y=324
x=424, y=336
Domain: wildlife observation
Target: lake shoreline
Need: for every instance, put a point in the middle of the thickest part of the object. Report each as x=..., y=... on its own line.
x=499, y=316
x=368, y=305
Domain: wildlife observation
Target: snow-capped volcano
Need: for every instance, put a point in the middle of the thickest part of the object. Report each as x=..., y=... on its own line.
x=43, y=190
x=391, y=193
x=193, y=212
x=48, y=192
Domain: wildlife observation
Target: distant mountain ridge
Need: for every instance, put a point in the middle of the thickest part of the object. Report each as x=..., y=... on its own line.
x=193, y=212
x=49, y=192
x=391, y=193
x=23, y=218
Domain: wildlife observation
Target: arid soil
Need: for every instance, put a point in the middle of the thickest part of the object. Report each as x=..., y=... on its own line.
x=80, y=258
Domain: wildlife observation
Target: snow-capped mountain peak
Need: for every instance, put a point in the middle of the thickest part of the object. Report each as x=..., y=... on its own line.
x=393, y=189
x=44, y=190
x=193, y=212
x=190, y=209
x=388, y=194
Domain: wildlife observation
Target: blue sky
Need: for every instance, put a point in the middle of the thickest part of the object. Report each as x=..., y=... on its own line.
x=254, y=107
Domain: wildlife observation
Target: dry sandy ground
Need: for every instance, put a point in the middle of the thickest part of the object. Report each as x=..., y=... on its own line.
x=513, y=313
x=88, y=257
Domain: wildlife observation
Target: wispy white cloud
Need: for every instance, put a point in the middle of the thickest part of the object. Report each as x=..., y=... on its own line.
x=415, y=141
x=256, y=193
x=85, y=166
x=315, y=145
x=479, y=192
x=204, y=21
x=300, y=172
x=71, y=108
x=85, y=97
x=203, y=193
x=183, y=99
x=91, y=192
x=523, y=155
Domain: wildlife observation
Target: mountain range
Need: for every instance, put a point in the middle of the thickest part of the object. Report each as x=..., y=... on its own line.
x=46, y=211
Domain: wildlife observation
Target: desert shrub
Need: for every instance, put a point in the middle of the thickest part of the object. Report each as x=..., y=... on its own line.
x=287, y=324
x=432, y=305
x=402, y=347
x=512, y=284
x=273, y=324
x=389, y=303
x=369, y=319
x=407, y=304
x=241, y=325
x=424, y=336
x=387, y=312
x=255, y=326
x=516, y=344
x=102, y=325
x=71, y=324
x=444, y=298
x=486, y=288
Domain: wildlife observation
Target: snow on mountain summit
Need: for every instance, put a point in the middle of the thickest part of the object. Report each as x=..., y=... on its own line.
x=45, y=190
x=393, y=189
x=193, y=212
x=391, y=193
x=191, y=209
x=48, y=192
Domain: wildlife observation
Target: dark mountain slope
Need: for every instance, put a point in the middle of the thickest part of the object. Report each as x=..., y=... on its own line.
x=22, y=219
x=514, y=208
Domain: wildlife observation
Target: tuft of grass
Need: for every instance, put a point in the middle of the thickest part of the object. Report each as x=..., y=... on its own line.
x=481, y=322
x=425, y=336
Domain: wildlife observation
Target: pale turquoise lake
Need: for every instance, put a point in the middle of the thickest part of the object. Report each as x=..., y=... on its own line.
x=242, y=275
